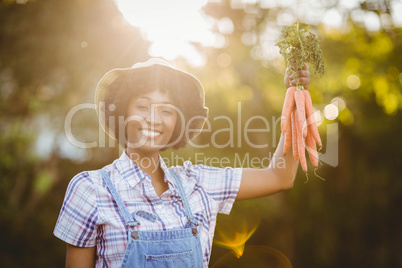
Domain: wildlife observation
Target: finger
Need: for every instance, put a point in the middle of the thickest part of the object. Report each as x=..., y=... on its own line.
x=287, y=78
x=292, y=83
x=304, y=81
x=304, y=73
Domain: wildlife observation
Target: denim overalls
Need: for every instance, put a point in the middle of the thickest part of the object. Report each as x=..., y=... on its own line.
x=175, y=248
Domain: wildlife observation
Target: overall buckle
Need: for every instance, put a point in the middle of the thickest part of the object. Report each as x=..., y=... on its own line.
x=134, y=234
x=194, y=226
x=194, y=231
x=132, y=224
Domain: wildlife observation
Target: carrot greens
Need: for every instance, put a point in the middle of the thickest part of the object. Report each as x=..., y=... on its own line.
x=299, y=46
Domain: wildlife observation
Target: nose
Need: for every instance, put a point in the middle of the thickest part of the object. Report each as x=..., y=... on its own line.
x=153, y=117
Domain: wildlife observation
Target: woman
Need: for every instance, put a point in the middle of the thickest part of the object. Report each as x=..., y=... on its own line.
x=137, y=212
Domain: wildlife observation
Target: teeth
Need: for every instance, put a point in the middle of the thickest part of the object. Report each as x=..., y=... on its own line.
x=150, y=133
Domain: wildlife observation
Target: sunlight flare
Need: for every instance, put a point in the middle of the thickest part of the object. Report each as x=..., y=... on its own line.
x=171, y=26
x=235, y=241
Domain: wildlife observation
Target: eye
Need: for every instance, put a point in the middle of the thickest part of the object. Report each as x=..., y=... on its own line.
x=167, y=110
x=142, y=107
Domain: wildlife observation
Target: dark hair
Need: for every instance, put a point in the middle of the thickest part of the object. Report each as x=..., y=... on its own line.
x=184, y=94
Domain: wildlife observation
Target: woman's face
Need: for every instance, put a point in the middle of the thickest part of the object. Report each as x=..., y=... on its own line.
x=151, y=120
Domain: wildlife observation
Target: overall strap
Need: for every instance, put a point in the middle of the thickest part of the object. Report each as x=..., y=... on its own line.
x=192, y=221
x=127, y=216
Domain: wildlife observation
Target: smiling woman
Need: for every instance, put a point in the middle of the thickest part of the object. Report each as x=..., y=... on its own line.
x=165, y=216
x=171, y=26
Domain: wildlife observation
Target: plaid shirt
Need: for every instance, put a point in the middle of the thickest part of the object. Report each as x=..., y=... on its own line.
x=89, y=217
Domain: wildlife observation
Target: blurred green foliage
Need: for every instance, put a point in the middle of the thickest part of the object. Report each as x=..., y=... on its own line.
x=52, y=53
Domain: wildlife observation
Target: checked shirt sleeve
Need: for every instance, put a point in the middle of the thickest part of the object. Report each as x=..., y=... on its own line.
x=222, y=184
x=78, y=216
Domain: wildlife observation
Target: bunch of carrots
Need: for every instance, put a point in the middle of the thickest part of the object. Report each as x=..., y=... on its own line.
x=299, y=126
x=298, y=47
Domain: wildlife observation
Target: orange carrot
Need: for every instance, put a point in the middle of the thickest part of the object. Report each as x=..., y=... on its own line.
x=294, y=134
x=287, y=109
x=312, y=149
x=288, y=137
x=301, y=111
x=310, y=118
x=300, y=147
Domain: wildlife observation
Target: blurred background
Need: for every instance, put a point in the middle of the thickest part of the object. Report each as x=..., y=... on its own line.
x=53, y=53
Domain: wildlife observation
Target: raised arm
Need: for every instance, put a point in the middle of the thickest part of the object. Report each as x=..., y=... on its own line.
x=281, y=173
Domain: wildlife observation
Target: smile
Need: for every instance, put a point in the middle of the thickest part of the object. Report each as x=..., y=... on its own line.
x=150, y=133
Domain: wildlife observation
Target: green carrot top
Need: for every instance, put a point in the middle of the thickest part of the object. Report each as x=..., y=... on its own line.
x=299, y=46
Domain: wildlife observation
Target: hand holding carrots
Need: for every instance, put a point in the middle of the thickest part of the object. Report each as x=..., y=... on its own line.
x=303, y=79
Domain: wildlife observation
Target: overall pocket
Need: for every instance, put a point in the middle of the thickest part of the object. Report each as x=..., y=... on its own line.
x=182, y=259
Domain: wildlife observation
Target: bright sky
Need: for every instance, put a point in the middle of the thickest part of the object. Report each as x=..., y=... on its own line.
x=173, y=25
